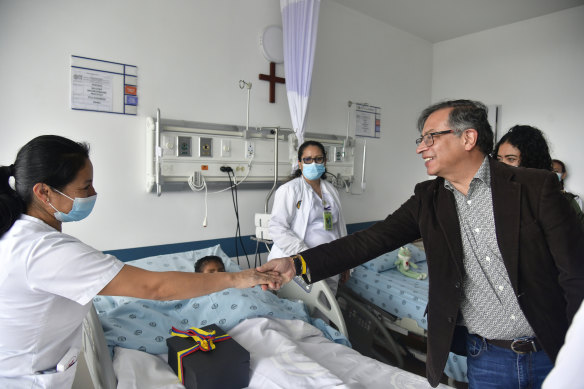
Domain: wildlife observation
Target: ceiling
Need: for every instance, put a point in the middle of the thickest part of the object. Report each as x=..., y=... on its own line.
x=439, y=20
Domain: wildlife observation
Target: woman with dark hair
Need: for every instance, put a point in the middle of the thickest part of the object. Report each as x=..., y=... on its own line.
x=526, y=146
x=307, y=209
x=48, y=279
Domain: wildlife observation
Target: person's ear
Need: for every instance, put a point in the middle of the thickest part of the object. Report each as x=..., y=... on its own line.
x=470, y=137
x=41, y=192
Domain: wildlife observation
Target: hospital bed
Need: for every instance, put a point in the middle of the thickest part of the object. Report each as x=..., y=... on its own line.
x=285, y=351
x=380, y=299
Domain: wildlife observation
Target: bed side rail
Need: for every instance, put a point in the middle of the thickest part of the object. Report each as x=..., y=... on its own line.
x=332, y=311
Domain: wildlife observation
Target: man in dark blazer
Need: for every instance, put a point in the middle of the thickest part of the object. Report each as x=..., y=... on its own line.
x=505, y=253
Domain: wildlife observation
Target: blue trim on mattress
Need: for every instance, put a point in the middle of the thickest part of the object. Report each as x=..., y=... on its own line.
x=227, y=244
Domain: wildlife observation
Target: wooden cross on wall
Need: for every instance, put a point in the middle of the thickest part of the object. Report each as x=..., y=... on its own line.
x=273, y=80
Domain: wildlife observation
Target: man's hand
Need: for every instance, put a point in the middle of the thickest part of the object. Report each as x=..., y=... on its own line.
x=283, y=266
x=251, y=277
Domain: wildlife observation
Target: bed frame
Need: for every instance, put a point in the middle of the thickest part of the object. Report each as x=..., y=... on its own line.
x=94, y=365
x=368, y=328
x=320, y=298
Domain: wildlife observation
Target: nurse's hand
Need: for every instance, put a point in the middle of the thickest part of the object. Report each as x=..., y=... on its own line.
x=283, y=266
x=251, y=277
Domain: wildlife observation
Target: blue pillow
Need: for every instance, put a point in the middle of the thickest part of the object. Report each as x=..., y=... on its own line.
x=387, y=261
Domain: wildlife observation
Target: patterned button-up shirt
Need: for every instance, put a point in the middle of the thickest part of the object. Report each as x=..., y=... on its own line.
x=489, y=306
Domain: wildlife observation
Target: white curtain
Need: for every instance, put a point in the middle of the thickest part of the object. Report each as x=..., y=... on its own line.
x=299, y=25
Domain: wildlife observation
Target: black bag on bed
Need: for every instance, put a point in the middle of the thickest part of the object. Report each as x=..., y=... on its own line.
x=226, y=366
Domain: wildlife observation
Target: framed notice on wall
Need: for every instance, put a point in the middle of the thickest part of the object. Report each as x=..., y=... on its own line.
x=368, y=120
x=103, y=86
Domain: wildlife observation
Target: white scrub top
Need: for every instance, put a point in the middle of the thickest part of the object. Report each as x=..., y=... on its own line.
x=47, y=282
x=297, y=223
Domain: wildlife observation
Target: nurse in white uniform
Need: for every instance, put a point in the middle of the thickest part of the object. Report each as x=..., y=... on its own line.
x=307, y=209
x=48, y=279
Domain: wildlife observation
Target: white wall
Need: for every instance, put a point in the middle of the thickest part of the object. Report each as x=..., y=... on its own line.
x=534, y=69
x=190, y=56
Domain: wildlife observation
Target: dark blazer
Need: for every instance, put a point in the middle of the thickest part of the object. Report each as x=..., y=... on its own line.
x=539, y=235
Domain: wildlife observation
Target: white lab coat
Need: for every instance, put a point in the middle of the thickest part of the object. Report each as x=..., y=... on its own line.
x=567, y=372
x=47, y=282
x=289, y=219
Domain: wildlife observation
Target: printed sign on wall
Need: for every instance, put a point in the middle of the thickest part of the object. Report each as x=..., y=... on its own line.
x=368, y=120
x=103, y=86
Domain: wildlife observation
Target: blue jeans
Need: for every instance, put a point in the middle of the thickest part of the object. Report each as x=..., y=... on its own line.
x=495, y=367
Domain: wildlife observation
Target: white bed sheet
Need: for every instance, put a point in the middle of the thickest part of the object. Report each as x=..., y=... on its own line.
x=284, y=354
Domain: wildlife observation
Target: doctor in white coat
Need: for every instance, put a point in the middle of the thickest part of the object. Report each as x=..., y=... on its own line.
x=307, y=209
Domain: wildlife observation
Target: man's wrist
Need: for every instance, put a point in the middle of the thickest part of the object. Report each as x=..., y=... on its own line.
x=300, y=268
x=299, y=265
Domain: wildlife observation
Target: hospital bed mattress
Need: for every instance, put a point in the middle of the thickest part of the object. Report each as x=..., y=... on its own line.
x=390, y=290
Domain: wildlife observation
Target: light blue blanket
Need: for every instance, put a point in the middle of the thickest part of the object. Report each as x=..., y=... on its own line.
x=145, y=324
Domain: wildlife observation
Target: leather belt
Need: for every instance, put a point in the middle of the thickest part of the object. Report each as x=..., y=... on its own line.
x=519, y=346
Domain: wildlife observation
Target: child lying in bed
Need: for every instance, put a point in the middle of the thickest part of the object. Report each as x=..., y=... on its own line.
x=209, y=264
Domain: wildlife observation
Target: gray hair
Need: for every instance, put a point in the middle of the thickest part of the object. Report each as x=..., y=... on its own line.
x=464, y=115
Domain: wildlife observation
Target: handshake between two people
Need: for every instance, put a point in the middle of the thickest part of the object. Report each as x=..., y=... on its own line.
x=271, y=276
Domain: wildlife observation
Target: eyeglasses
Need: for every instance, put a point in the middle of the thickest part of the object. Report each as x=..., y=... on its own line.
x=429, y=137
x=309, y=160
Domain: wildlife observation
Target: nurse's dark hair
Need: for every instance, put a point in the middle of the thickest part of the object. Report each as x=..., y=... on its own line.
x=48, y=159
x=465, y=114
x=301, y=149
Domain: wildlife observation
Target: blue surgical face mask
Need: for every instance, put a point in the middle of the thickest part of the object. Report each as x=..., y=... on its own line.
x=559, y=176
x=313, y=171
x=82, y=207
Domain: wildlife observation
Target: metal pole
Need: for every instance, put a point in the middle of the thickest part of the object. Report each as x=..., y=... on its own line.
x=276, y=129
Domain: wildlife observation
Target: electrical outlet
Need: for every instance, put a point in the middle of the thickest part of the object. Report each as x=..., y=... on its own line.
x=205, y=147
x=184, y=146
x=262, y=220
x=263, y=233
x=249, y=150
x=225, y=148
